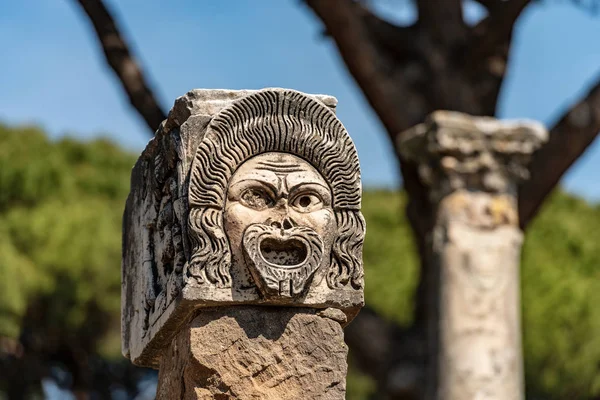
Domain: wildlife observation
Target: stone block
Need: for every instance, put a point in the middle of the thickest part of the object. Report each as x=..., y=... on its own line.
x=241, y=198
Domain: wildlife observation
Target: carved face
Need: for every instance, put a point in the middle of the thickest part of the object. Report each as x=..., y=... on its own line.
x=280, y=222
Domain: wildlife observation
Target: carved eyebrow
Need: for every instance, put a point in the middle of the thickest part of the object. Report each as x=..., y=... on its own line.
x=270, y=185
x=296, y=186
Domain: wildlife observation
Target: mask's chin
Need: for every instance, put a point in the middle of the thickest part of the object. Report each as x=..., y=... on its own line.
x=282, y=262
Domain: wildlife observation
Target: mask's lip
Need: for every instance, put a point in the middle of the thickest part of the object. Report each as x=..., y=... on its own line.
x=284, y=238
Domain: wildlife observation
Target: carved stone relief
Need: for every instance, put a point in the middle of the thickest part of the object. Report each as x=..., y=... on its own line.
x=242, y=197
x=280, y=222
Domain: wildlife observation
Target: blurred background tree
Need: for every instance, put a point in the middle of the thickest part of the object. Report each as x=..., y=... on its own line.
x=61, y=202
x=60, y=221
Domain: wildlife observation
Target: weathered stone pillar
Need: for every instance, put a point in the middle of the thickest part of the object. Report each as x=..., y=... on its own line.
x=242, y=248
x=472, y=166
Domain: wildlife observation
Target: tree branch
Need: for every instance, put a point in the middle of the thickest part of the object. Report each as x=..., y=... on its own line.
x=488, y=4
x=569, y=138
x=123, y=64
x=392, y=64
x=487, y=52
x=495, y=30
x=350, y=26
x=443, y=20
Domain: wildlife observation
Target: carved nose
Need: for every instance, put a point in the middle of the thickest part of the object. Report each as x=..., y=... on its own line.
x=285, y=223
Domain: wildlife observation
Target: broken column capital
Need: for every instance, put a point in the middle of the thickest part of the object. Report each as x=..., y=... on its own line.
x=459, y=151
x=242, y=198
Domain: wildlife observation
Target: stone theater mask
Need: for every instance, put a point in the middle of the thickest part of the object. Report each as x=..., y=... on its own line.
x=242, y=197
x=280, y=222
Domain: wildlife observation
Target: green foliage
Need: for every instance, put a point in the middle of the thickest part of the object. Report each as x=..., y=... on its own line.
x=391, y=263
x=561, y=293
x=60, y=222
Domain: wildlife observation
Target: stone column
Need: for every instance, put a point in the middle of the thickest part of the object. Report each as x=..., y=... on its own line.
x=242, y=248
x=472, y=166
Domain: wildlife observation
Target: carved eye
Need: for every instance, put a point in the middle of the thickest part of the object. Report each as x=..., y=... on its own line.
x=307, y=202
x=256, y=198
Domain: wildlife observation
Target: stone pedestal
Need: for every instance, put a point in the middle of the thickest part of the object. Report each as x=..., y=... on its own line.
x=242, y=247
x=472, y=166
x=256, y=353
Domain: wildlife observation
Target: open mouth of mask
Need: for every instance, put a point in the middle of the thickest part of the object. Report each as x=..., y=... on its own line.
x=282, y=261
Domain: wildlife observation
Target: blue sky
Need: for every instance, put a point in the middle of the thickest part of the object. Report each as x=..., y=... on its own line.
x=53, y=73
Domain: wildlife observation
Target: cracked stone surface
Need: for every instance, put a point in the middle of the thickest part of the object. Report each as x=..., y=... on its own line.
x=251, y=352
